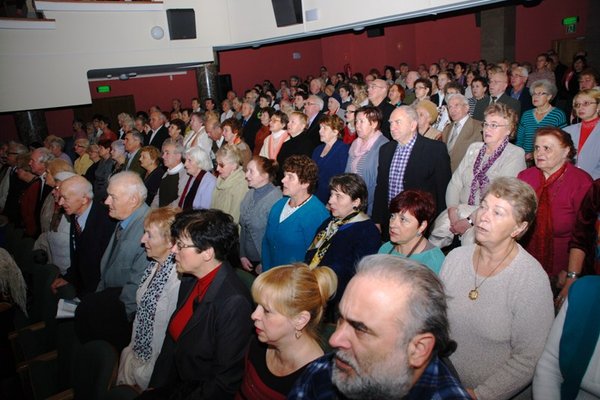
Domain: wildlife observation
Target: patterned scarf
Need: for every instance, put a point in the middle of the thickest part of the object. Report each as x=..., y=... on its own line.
x=323, y=239
x=540, y=245
x=480, y=180
x=360, y=147
x=146, y=310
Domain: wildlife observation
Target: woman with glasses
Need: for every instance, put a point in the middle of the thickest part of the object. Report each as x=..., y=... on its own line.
x=543, y=114
x=202, y=355
x=482, y=163
x=264, y=115
x=349, y=133
x=231, y=186
x=278, y=136
x=586, y=134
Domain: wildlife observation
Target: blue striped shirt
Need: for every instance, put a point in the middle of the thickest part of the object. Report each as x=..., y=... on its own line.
x=529, y=125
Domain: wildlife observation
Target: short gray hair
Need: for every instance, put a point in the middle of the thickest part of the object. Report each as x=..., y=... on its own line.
x=55, y=141
x=548, y=86
x=524, y=72
x=81, y=185
x=136, y=135
x=200, y=157
x=316, y=99
x=179, y=148
x=231, y=153
x=463, y=100
x=426, y=300
x=118, y=146
x=134, y=185
x=45, y=155
x=411, y=112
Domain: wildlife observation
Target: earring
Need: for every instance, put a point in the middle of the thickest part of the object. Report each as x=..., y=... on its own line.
x=298, y=333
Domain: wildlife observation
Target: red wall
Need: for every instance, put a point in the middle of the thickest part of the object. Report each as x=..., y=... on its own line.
x=455, y=37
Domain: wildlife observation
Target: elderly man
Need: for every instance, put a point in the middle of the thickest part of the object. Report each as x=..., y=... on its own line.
x=410, y=80
x=316, y=87
x=38, y=163
x=312, y=108
x=390, y=341
x=174, y=180
x=377, y=92
x=463, y=130
x=518, y=90
x=91, y=229
x=159, y=132
x=410, y=161
x=250, y=123
x=83, y=161
x=215, y=134
x=133, y=143
x=107, y=314
x=498, y=82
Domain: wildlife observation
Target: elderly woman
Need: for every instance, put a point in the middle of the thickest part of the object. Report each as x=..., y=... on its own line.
x=202, y=355
x=543, y=114
x=177, y=130
x=118, y=155
x=348, y=235
x=156, y=298
x=255, y=208
x=363, y=155
x=201, y=182
x=278, y=136
x=331, y=156
x=428, y=114
x=173, y=180
x=586, y=134
x=93, y=152
x=104, y=169
x=150, y=161
x=290, y=303
x=499, y=298
x=83, y=161
x=232, y=131
x=482, y=163
x=265, y=119
x=396, y=94
x=227, y=107
x=298, y=143
x=231, y=185
x=560, y=188
x=294, y=219
x=411, y=216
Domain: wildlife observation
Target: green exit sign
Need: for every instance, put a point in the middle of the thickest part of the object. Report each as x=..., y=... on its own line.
x=570, y=20
x=103, y=89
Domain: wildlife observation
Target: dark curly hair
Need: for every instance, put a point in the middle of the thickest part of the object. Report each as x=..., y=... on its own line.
x=305, y=168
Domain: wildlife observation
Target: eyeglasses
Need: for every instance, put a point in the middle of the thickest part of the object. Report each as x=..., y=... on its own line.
x=493, y=125
x=376, y=87
x=181, y=246
x=308, y=103
x=350, y=112
x=584, y=104
x=540, y=94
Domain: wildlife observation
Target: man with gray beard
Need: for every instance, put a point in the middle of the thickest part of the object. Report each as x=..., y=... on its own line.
x=391, y=336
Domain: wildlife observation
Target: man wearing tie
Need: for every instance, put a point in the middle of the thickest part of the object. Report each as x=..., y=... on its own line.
x=91, y=229
x=497, y=87
x=159, y=132
x=107, y=314
x=463, y=130
x=133, y=143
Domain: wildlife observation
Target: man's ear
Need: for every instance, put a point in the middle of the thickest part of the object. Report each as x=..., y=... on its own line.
x=420, y=349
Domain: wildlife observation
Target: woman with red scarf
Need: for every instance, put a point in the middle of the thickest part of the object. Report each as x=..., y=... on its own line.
x=560, y=188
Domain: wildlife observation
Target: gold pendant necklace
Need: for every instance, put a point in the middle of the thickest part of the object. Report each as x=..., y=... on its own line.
x=474, y=293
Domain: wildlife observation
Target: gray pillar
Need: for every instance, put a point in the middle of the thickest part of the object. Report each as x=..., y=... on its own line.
x=207, y=81
x=31, y=126
x=498, y=34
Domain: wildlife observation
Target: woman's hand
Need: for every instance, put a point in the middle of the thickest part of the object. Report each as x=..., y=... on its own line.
x=564, y=283
x=461, y=226
x=247, y=264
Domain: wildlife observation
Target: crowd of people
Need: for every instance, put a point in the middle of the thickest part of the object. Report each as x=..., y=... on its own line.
x=440, y=216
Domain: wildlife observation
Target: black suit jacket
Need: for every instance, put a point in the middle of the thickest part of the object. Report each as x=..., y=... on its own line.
x=88, y=248
x=386, y=111
x=313, y=131
x=301, y=144
x=428, y=169
x=250, y=129
x=207, y=362
x=135, y=165
x=483, y=104
x=524, y=99
x=159, y=138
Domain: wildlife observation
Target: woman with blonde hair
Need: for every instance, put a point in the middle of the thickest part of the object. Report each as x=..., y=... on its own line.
x=231, y=184
x=290, y=304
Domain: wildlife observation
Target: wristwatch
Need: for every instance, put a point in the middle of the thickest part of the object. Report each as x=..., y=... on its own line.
x=470, y=221
x=573, y=275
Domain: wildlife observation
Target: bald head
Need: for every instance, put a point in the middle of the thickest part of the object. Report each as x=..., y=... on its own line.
x=75, y=195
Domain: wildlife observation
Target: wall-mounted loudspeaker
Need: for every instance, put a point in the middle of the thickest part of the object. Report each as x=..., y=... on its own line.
x=375, y=32
x=182, y=23
x=287, y=12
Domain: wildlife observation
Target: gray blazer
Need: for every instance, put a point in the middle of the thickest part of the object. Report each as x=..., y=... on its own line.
x=124, y=265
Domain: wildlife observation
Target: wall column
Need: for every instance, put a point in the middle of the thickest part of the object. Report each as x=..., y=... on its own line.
x=206, y=79
x=31, y=126
x=498, y=28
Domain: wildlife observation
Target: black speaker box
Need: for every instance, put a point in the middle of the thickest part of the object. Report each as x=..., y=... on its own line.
x=224, y=85
x=182, y=23
x=375, y=32
x=287, y=12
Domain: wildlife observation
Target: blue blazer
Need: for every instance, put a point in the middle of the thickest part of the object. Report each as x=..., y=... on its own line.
x=287, y=242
